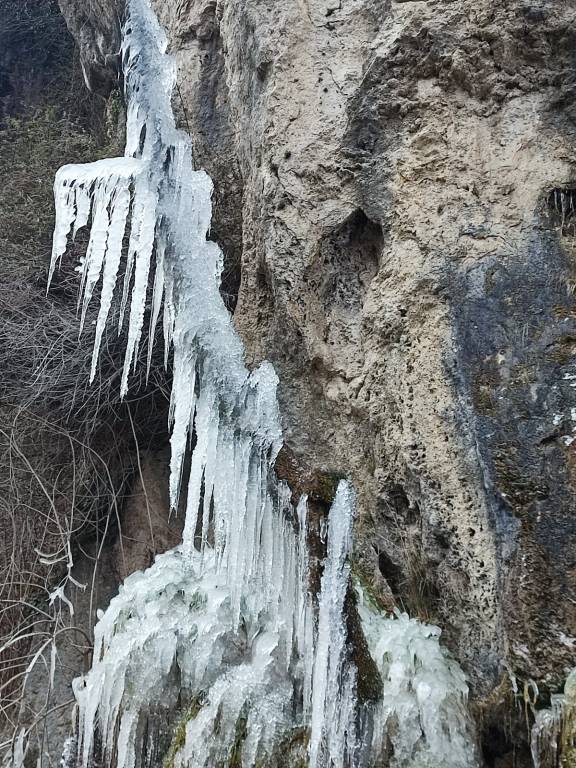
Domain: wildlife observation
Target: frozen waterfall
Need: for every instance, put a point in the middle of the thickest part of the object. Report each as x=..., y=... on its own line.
x=221, y=637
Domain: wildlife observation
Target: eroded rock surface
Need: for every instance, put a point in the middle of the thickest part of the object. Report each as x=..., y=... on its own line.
x=96, y=26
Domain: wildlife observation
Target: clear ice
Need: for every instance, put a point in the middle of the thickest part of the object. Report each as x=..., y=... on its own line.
x=225, y=622
x=333, y=738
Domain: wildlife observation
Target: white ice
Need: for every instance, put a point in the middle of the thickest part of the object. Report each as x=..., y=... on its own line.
x=333, y=739
x=554, y=726
x=423, y=711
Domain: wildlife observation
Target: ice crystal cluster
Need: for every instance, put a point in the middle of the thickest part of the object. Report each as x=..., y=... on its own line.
x=223, y=630
x=422, y=713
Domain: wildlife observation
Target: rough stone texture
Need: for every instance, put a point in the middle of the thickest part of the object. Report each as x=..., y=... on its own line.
x=390, y=167
x=96, y=26
x=147, y=527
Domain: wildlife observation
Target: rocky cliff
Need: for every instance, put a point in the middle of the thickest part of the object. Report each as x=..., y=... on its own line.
x=395, y=195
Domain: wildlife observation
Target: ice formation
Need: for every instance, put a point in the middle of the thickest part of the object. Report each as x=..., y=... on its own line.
x=174, y=632
x=333, y=738
x=553, y=738
x=422, y=713
x=223, y=629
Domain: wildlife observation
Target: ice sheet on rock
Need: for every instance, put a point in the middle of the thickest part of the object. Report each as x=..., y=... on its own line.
x=159, y=618
x=423, y=710
x=554, y=728
x=178, y=615
x=248, y=709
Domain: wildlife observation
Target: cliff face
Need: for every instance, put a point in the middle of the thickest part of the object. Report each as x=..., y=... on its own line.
x=394, y=195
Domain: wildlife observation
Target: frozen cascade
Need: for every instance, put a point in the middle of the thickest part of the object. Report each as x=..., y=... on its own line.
x=422, y=714
x=333, y=726
x=224, y=623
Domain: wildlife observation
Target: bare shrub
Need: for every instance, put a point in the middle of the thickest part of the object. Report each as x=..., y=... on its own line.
x=68, y=454
x=68, y=449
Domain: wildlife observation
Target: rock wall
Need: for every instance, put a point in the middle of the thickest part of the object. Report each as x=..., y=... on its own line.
x=395, y=192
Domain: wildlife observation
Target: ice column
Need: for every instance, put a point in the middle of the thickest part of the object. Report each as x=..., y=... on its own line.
x=333, y=726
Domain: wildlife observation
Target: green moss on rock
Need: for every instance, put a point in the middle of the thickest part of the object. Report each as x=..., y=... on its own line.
x=179, y=737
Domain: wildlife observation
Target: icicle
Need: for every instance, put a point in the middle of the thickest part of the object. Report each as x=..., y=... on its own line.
x=205, y=419
x=65, y=213
x=157, y=296
x=17, y=755
x=182, y=407
x=305, y=618
x=94, y=260
x=333, y=738
x=120, y=207
x=142, y=248
x=68, y=759
x=74, y=193
x=83, y=201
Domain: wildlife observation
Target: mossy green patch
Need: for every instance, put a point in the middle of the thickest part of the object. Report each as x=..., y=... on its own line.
x=179, y=737
x=361, y=581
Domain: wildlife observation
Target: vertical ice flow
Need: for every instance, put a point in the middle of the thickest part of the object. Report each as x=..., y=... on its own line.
x=422, y=713
x=333, y=730
x=225, y=621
